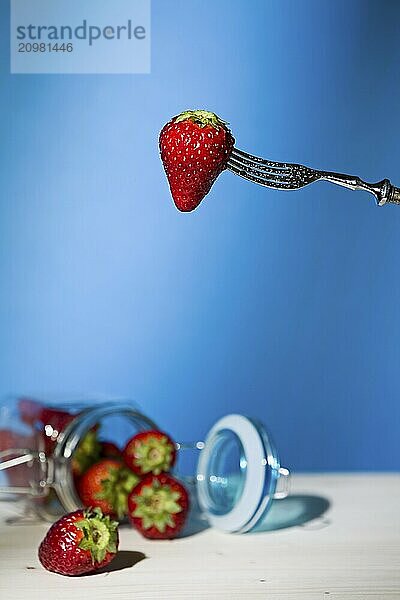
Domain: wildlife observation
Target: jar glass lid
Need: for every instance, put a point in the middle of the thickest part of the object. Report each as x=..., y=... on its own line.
x=237, y=473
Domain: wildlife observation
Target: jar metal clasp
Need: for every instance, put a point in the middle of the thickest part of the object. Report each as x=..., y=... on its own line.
x=39, y=477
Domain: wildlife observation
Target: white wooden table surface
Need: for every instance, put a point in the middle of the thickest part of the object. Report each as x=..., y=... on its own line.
x=352, y=551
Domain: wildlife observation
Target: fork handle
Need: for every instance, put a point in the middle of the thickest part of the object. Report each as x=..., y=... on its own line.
x=395, y=195
x=383, y=191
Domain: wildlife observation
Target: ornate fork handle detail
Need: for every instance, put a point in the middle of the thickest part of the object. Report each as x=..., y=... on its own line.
x=291, y=176
x=383, y=190
x=395, y=196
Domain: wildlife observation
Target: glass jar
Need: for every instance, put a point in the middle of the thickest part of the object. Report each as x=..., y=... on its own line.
x=239, y=474
x=237, y=478
x=40, y=442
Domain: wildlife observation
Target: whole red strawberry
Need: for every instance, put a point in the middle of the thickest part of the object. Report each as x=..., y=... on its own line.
x=29, y=410
x=53, y=421
x=195, y=147
x=106, y=485
x=49, y=420
x=110, y=450
x=80, y=542
x=158, y=506
x=150, y=452
x=87, y=453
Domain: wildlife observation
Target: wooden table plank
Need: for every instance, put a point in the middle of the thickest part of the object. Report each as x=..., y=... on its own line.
x=351, y=552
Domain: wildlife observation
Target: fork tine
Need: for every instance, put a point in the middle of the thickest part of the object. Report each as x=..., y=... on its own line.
x=256, y=177
x=286, y=176
x=260, y=171
x=291, y=176
x=245, y=157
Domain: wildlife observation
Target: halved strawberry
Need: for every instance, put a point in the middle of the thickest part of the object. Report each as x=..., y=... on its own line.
x=80, y=542
x=150, y=452
x=158, y=506
x=106, y=485
x=195, y=147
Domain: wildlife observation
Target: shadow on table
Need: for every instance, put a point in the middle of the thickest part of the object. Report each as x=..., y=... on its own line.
x=125, y=559
x=296, y=510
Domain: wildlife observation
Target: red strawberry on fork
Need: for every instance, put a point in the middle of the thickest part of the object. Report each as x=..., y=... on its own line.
x=195, y=147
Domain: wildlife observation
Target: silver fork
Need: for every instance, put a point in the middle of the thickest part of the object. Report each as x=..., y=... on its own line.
x=289, y=176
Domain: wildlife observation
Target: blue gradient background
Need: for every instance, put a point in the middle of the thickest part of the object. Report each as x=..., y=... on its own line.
x=280, y=305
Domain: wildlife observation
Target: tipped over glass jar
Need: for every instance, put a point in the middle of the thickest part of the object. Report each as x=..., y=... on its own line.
x=43, y=448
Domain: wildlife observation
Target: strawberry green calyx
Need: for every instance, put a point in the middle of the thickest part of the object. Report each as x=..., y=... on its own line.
x=202, y=118
x=100, y=534
x=155, y=506
x=87, y=453
x=154, y=455
x=115, y=489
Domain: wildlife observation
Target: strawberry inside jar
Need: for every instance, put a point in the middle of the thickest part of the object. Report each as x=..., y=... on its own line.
x=47, y=447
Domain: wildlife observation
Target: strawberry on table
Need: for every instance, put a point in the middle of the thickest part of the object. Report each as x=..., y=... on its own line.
x=195, y=147
x=106, y=485
x=80, y=542
x=150, y=452
x=157, y=506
